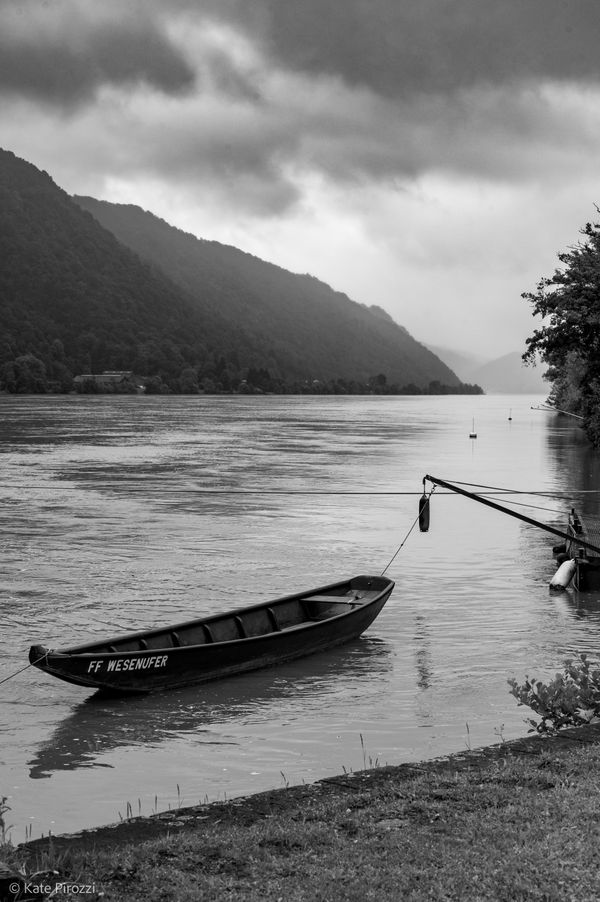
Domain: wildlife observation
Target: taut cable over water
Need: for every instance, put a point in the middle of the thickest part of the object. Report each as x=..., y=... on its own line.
x=578, y=559
x=483, y=500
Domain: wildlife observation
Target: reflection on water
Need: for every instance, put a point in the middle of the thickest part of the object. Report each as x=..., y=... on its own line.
x=99, y=724
x=125, y=513
x=578, y=465
x=583, y=606
x=422, y=653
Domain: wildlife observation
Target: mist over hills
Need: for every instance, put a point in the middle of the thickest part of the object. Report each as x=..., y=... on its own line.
x=509, y=374
x=459, y=362
x=123, y=290
x=502, y=375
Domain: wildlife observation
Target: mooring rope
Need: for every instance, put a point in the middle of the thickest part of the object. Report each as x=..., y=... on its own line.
x=549, y=510
x=492, y=491
x=401, y=545
x=536, y=507
x=17, y=672
x=505, y=491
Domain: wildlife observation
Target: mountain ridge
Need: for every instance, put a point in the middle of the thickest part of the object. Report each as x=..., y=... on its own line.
x=183, y=313
x=254, y=290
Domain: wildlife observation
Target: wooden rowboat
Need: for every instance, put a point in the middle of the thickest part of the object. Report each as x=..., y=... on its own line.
x=222, y=644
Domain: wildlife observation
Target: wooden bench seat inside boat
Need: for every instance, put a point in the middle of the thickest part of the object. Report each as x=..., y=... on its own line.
x=279, y=617
x=321, y=607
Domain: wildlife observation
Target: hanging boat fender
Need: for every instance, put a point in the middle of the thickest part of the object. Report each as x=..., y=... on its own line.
x=424, y=511
x=563, y=575
x=559, y=549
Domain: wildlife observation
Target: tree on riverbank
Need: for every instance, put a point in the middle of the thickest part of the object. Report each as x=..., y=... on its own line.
x=569, y=340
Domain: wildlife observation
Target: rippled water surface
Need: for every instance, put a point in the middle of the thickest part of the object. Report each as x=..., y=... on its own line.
x=124, y=513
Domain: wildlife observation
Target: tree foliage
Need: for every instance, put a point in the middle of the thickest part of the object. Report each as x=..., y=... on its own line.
x=569, y=339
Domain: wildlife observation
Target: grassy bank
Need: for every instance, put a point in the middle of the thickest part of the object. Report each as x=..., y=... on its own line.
x=519, y=821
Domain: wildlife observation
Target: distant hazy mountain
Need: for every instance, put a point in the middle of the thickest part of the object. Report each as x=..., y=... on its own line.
x=508, y=375
x=464, y=365
x=296, y=324
x=503, y=375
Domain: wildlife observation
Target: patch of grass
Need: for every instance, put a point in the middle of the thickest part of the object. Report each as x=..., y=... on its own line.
x=518, y=829
x=4, y=827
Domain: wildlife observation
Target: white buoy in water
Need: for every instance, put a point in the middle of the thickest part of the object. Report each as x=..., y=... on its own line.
x=563, y=575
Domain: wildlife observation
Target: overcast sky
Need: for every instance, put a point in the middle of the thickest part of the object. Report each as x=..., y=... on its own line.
x=429, y=156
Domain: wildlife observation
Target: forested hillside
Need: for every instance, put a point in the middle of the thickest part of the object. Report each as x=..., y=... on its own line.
x=199, y=317
x=298, y=324
x=74, y=300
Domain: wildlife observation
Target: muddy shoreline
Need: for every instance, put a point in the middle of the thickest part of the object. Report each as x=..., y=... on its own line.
x=247, y=810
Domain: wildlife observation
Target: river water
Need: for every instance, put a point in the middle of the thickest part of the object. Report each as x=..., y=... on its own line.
x=128, y=512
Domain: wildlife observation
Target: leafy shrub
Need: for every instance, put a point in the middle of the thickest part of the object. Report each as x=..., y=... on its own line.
x=571, y=699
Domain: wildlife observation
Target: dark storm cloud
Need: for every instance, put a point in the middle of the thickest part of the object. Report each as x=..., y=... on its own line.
x=467, y=86
x=66, y=65
x=266, y=94
x=396, y=47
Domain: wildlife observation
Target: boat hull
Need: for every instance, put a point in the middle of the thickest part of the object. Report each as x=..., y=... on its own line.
x=168, y=667
x=587, y=563
x=587, y=574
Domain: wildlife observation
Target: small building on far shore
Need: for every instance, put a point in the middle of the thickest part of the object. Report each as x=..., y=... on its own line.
x=109, y=382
